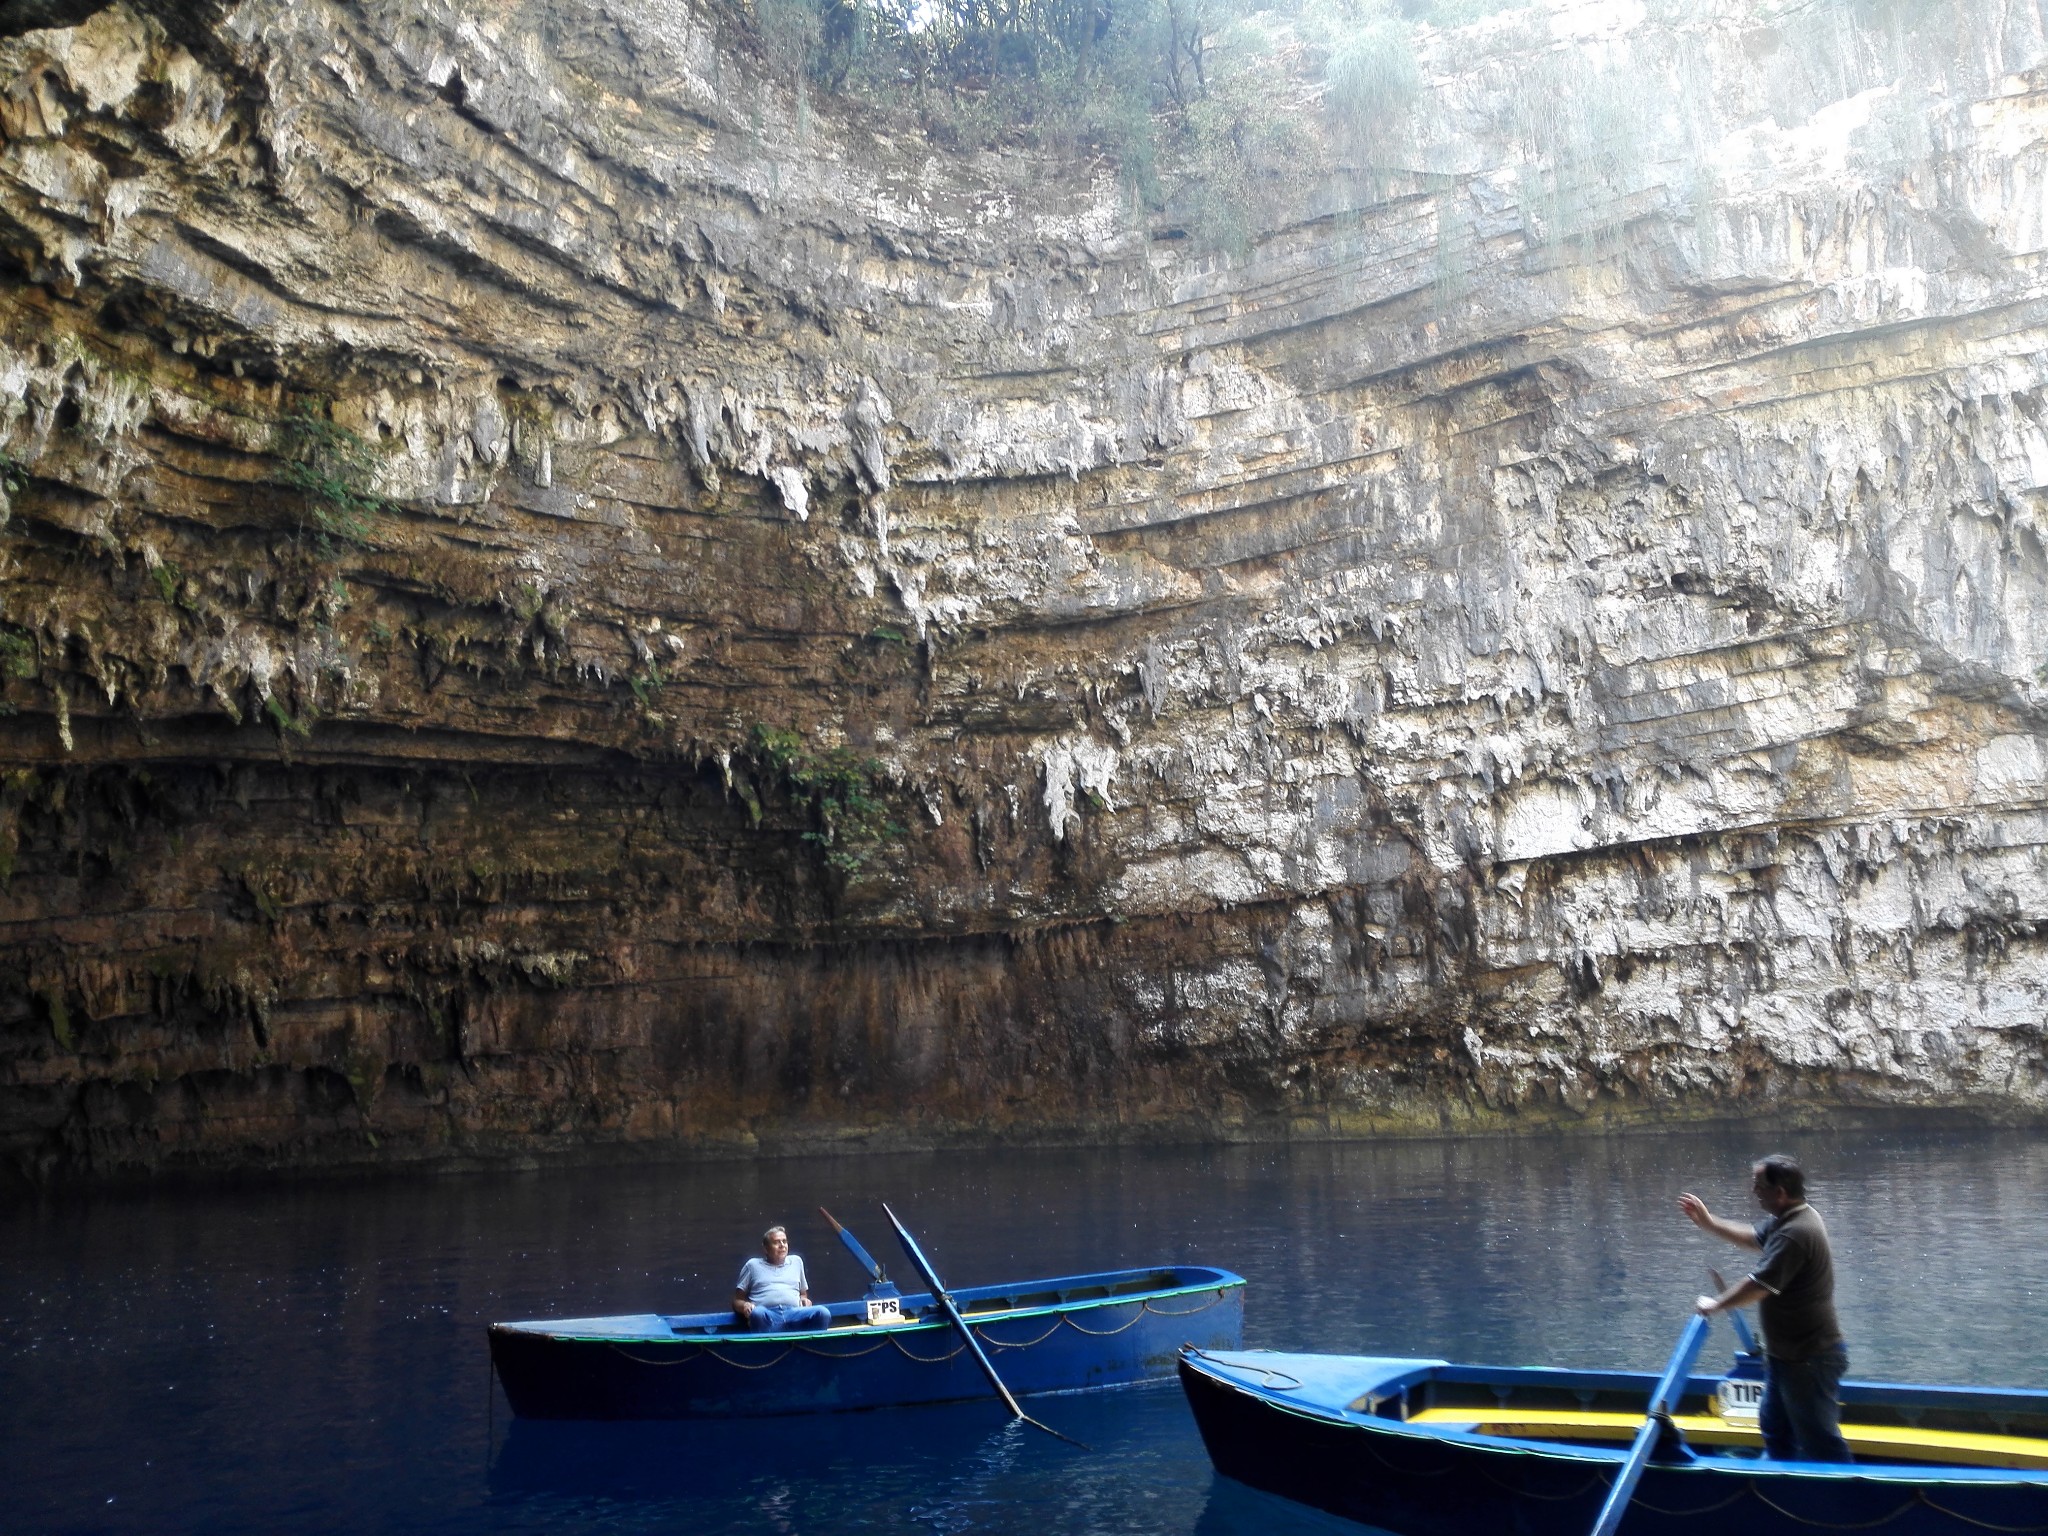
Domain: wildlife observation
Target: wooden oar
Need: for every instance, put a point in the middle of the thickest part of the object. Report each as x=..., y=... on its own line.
x=945, y=1300
x=1669, y=1390
x=1742, y=1334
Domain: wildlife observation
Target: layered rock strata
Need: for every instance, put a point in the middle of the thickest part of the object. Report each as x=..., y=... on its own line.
x=558, y=596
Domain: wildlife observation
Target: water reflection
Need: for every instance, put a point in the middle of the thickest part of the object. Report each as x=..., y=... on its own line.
x=311, y=1358
x=1231, y=1509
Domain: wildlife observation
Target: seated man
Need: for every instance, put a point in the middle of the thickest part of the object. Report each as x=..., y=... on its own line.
x=773, y=1292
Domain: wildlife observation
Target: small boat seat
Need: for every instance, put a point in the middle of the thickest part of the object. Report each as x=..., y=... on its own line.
x=1869, y=1442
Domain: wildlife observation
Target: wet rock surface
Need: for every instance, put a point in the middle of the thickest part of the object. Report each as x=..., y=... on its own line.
x=553, y=597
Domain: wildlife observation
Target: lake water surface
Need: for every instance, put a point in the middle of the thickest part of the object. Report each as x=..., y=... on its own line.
x=278, y=1358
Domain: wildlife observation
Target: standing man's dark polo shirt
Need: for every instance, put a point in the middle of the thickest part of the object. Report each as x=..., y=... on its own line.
x=1798, y=1271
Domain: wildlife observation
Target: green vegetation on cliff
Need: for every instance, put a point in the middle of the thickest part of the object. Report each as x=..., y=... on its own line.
x=334, y=470
x=838, y=789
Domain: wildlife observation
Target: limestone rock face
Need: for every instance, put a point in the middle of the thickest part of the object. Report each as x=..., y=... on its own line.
x=554, y=595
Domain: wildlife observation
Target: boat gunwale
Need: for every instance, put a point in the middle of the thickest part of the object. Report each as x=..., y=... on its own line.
x=1227, y=1281
x=1705, y=1463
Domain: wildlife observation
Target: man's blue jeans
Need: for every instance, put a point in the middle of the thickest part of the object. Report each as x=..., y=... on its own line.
x=1801, y=1416
x=780, y=1319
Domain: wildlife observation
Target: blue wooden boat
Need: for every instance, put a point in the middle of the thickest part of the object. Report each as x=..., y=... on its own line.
x=1425, y=1448
x=1057, y=1335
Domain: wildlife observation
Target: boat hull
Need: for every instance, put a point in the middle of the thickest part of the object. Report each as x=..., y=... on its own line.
x=656, y=1368
x=1419, y=1484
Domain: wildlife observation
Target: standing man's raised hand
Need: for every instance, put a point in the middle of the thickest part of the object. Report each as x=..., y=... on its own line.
x=1735, y=1232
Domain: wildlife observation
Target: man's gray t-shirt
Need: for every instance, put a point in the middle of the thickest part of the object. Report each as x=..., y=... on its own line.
x=1799, y=1272
x=774, y=1285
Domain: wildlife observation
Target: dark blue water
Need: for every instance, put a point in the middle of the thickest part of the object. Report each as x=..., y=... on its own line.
x=311, y=1358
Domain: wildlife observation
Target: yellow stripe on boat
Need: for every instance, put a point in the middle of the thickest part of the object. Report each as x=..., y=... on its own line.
x=1870, y=1442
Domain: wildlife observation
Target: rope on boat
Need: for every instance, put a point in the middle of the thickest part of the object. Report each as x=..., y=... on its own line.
x=1144, y=1306
x=620, y=1349
x=1982, y=1525
x=739, y=1365
x=1106, y=1333
x=1066, y=1319
x=1836, y=1524
x=842, y=1354
x=1264, y=1370
x=1919, y=1497
x=926, y=1359
x=856, y=1354
x=701, y=1351
x=1596, y=1480
x=1686, y=1514
x=1863, y=1525
x=1215, y=1299
x=1748, y=1488
x=1023, y=1343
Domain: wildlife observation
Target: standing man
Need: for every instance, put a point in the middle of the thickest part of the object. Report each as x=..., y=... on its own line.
x=773, y=1292
x=1804, y=1356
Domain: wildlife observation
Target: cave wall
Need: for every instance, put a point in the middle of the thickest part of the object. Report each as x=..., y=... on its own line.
x=555, y=598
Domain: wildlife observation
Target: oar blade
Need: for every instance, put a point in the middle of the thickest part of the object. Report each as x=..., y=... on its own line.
x=1670, y=1388
x=861, y=1256
x=1025, y=1418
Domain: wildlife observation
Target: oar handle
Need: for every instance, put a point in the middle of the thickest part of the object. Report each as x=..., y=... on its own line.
x=1742, y=1334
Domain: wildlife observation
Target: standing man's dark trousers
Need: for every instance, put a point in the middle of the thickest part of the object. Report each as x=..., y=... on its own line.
x=1802, y=1417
